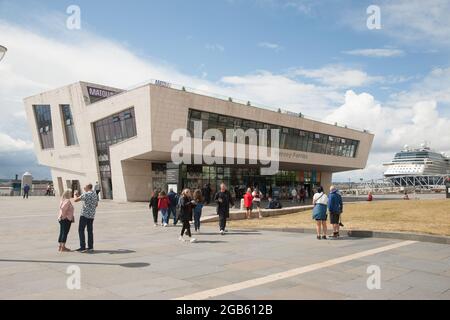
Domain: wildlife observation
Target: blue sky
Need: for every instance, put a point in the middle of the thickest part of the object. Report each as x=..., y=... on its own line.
x=322, y=49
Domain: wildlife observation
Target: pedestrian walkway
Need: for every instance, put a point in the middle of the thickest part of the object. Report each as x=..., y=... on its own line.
x=134, y=260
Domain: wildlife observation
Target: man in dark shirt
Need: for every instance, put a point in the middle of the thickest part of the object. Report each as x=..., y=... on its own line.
x=173, y=201
x=206, y=193
x=26, y=190
x=224, y=200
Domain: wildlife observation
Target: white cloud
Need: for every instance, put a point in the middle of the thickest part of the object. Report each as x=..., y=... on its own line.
x=8, y=144
x=393, y=127
x=279, y=90
x=214, y=47
x=270, y=45
x=412, y=20
x=417, y=23
x=376, y=53
x=338, y=76
x=434, y=86
x=302, y=6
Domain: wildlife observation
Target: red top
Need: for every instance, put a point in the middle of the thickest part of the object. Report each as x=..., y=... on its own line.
x=370, y=197
x=163, y=203
x=248, y=199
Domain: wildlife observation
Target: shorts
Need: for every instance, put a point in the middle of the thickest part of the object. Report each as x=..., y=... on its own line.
x=257, y=204
x=334, y=218
x=320, y=212
x=249, y=208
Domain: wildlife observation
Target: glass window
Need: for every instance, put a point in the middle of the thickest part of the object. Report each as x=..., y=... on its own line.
x=43, y=118
x=290, y=138
x=112, y=130
x=195, y=114
x=69, y=126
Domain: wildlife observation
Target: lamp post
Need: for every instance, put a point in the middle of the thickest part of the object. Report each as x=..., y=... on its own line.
x=2, y=52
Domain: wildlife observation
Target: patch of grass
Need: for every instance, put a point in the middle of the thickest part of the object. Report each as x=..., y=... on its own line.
x=418, y=216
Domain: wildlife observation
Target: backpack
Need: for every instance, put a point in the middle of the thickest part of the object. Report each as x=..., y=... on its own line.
x=178, y=199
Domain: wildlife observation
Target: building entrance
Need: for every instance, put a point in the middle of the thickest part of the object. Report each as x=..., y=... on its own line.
x=239, y=179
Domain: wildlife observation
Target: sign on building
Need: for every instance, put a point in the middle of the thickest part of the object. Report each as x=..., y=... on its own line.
x=172, y=173
x=97, y=94
x=163, y=84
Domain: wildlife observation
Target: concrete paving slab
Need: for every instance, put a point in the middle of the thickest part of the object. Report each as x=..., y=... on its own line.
x=134, y=260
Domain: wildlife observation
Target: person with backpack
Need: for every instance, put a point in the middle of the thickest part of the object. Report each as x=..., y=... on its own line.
x=163, y=206
x=335, y=206
x=173, y=202
x=186, y=206
x=320, y=202
x=153, y=205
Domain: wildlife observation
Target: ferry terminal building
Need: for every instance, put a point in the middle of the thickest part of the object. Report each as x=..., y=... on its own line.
x=87, y=132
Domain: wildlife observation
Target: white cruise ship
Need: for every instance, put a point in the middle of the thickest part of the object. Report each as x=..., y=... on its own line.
x=418, y=162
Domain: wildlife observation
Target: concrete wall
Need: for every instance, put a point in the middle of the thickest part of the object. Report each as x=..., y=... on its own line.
x=326, y=180
x=137, y=181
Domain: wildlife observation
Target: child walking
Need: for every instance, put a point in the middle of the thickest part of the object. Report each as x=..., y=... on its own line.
x=198, y=198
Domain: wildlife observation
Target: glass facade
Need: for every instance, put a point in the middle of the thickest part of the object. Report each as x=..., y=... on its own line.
x=290, y=138
x=43, y=118
x=159, y=176
x=239, y=178
x=69, y=127
x=109, y=131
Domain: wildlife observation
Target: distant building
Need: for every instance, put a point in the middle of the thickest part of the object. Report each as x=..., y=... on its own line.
x=14, y=187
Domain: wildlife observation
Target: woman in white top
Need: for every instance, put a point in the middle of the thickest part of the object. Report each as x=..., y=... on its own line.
x=294, y=194
x=320, y=202
x=257, y=195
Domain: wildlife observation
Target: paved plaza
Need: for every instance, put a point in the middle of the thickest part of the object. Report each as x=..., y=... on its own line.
x=134, y=260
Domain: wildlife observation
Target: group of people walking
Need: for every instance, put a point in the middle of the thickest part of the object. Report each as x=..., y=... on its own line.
x=324, y=203
x=190, y=207
x=189, y=204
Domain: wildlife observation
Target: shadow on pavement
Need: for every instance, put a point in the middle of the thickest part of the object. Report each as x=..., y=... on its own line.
x=211, y=241
x=124, y=265
x=120, y=251
x=231, y=233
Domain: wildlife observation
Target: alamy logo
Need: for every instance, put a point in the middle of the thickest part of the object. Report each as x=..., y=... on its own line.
x=374, y=19
x=74, y=280
x=374, y=280
x=231, y=149
x=73, y=22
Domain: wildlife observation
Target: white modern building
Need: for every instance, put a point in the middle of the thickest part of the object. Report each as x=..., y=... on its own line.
x=87, y=132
